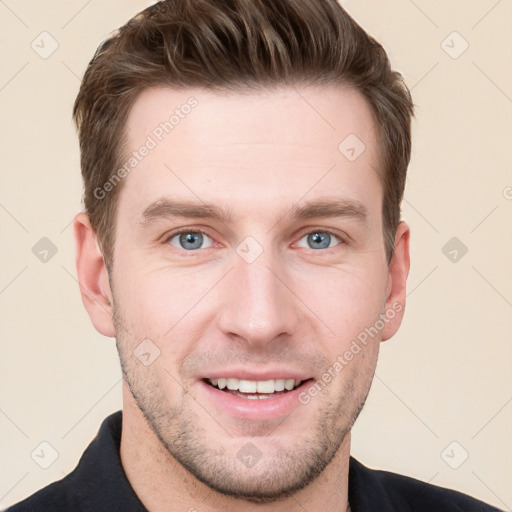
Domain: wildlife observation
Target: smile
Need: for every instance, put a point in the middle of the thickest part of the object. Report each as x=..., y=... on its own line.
x=255, y=389
x=253, y=400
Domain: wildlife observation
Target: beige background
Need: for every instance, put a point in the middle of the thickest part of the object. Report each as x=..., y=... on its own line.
x=445, y=377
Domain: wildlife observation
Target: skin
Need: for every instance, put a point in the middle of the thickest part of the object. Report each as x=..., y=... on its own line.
x=294, y=307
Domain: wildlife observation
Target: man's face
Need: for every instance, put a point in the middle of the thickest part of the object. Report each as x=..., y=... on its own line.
x=277, y=289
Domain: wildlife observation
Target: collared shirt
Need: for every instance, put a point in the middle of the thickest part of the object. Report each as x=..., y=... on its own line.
x=99, y=484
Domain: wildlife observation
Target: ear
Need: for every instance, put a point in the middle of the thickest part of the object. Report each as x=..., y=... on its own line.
x=93, y=276
x=397, y=278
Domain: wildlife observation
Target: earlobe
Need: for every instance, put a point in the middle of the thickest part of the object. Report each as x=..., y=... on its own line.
x=397, y=279
x=93, y=276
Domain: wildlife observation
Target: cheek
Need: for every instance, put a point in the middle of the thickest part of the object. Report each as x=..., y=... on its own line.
x=347, y=299
x=167, y=303
x=157, y=304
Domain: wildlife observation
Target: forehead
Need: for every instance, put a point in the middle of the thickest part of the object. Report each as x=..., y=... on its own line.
x=244, y=147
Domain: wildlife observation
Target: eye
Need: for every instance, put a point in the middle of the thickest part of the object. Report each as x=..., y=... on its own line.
x=190, y=240
x=320, y=240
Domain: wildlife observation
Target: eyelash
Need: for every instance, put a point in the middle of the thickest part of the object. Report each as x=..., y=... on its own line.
x=320, y=252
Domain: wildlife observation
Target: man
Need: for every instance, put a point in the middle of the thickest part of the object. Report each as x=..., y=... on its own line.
x=243, y=164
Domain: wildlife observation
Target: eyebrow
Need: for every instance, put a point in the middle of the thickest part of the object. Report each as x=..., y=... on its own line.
x=324, y=208
x=165, y=208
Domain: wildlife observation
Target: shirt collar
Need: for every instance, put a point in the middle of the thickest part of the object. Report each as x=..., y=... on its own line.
x=104, y=485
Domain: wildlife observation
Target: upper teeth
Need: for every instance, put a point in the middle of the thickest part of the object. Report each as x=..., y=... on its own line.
x=255, y=386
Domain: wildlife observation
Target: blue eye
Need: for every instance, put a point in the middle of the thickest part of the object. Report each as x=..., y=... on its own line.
x=320, y=240
x=190, y=240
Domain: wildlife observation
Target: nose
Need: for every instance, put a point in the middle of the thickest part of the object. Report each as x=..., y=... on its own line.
x=259, y=306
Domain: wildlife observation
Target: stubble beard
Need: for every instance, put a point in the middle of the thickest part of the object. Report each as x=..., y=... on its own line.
x=278, y=474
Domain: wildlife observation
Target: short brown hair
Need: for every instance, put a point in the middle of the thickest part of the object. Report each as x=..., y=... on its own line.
x=235, y=44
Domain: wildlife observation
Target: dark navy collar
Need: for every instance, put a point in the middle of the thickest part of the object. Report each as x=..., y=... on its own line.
x=99, y=484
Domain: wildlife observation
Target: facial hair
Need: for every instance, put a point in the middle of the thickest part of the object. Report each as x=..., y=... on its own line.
x=281, y=471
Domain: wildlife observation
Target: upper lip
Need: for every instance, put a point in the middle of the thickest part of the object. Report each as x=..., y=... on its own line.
x=245, y=374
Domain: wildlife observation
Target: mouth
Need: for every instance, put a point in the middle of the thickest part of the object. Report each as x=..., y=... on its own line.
x=245, y=394
x=255, y=389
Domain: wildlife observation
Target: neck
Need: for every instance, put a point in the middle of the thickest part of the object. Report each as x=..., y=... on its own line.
x=162, y=484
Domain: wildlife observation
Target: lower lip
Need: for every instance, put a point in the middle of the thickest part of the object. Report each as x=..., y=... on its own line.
x=255, y=409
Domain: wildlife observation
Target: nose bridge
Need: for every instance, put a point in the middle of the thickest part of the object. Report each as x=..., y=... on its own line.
x=259, y=306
